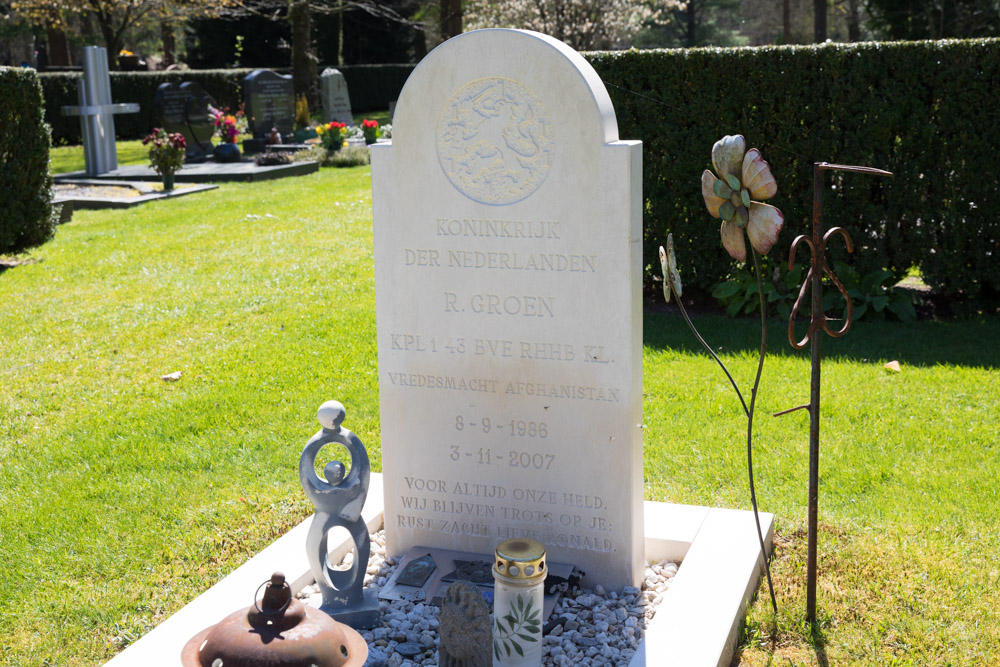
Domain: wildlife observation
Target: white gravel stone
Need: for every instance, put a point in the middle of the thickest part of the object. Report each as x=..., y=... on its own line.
x=602, y=627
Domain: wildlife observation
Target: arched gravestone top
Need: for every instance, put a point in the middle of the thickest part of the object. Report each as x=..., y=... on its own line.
x=270, y=102
x=507, y=226
x=468, y=129
x=185, y=108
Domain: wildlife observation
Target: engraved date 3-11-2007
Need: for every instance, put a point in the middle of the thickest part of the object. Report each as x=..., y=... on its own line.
x=513, y=458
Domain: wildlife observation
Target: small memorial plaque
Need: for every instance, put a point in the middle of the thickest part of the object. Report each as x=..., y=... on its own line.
x=417, y=572
x=477, y=571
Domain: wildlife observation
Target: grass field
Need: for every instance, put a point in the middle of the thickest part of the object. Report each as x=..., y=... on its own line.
x=123, y=496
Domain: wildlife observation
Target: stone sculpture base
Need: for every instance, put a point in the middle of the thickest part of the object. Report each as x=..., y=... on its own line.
x=361, y=616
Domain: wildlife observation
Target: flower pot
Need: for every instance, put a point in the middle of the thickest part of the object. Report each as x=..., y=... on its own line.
x=226, y=152
x=168, y=182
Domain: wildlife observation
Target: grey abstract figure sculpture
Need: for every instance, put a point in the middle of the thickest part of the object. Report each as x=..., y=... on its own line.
x=338, y=500
x=466, y=631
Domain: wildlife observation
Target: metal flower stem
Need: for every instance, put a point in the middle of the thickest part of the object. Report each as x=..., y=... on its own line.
x=748, y=411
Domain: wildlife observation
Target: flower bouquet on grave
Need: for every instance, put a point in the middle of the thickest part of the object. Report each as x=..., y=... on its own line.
x=166, y=154
x=229, y=126
x=370, y=130
x=332, y=135
x=741, y=177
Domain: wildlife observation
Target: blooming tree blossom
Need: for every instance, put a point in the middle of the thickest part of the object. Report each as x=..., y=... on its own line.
x=582, y=24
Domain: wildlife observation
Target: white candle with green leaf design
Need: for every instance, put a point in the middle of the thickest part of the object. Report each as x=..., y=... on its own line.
x=519, y=573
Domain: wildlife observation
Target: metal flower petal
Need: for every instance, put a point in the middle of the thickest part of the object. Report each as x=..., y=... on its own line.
x=712, y=200
x=671, y=277
x=727, y=155
x=757, y=178
x=732, y=240
x=764, y=226
x=666, y=274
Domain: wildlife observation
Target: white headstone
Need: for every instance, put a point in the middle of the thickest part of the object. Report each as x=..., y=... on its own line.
x=507, y=272
x=336, y=100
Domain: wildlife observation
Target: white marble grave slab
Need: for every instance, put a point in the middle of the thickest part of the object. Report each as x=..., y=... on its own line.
x=336, y=100
x=508, y=238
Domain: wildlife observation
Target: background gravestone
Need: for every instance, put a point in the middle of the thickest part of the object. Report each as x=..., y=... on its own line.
x=507, y=221
x=270, y=102
x=336, y=100
x=185, y=109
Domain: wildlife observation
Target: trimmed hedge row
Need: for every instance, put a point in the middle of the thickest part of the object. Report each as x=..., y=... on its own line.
x=26, y=218
x=925, y=111
x=60, y=90
x=371, y=87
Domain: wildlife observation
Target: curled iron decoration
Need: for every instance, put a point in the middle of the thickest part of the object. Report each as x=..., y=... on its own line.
x=818, y=257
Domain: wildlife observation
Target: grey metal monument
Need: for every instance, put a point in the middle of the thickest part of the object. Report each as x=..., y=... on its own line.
x=338, y=500
x=96, y=112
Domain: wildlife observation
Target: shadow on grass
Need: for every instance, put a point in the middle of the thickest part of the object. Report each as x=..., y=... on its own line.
x=13, y=262
x=819, y=645
x=960, y=343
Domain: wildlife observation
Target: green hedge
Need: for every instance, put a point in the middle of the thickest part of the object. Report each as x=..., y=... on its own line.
x=25, y=182
x=372, y=87
x=925, y=111
x=60, y=90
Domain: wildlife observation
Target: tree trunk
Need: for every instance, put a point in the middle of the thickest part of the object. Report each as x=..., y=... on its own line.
x=112, y=39
x=58, y=45
x=169, y=43
x=340, y=33
x=303, y=60
x=786, y=21
x=819, y=21
x=853, y=21
x=691, y=25
x=451, y=19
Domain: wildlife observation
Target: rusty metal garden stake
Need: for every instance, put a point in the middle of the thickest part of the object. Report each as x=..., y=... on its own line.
x=817, y=323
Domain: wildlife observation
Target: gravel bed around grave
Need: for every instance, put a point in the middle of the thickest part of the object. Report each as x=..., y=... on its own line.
x=93, y=191
x=588, y=627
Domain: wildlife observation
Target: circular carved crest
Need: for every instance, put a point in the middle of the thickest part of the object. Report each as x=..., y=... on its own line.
x=494, y=141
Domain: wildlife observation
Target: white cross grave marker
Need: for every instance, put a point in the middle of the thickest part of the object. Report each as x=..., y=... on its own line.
x=96, y=112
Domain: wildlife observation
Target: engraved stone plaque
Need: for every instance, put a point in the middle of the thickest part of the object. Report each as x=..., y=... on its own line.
x=495, y=141
x=507, y=224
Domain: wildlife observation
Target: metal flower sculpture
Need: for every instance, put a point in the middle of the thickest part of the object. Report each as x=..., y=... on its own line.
x=743, y=176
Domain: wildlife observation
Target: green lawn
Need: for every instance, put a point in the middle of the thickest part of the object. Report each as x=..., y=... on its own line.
x=63, y=159
x=123, y=496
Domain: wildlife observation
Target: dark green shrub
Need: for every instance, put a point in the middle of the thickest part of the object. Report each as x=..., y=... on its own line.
x=739, y=292
x=372, y=87
x=351, y=156
x=26, y=218
x=923, y=110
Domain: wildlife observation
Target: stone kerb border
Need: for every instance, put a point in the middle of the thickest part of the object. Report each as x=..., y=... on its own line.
x=697, y=622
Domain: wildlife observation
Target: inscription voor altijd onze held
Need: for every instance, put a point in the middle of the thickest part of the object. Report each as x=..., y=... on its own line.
x=553, y=518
